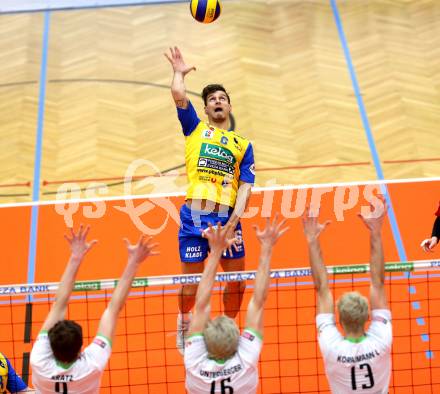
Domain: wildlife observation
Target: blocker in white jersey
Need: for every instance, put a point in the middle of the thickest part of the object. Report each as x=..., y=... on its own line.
x=82, y=376
x=58, y=365
x=217, y=358
x=363, y=365
x=360, y=362
x=238, y=374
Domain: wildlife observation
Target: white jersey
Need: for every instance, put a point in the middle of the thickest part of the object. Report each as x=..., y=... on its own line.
x=81, y=377
x=361, y=366
x=238, y=374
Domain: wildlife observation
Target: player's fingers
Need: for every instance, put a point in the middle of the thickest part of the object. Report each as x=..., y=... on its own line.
x=307, y=211
x=71, y=232
x=127, y=242
x=86, y=232
x=91, y=243
x=80, y=230
x=168, y=57
x=267, y=223
x=140, y=240
x=281, y=232
x=281, y=224
x=360, y=216
x=67, y=239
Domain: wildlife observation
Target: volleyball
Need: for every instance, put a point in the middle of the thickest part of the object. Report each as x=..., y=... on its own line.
x=205, y=11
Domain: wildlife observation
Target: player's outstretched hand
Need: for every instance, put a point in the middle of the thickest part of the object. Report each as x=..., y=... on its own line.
x=141, y=250
x=78, y=243
x=374, y=218
x=272, y=232
x=217, y=237
x=177, y=62
x=428, y=244
x=312, y=227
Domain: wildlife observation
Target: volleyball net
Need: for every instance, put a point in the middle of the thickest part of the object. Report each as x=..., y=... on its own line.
x=145, y=359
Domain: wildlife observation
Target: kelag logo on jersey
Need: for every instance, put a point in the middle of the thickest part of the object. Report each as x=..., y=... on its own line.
x=218, y=153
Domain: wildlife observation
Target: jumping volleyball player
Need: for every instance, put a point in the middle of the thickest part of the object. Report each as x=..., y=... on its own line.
x=58, y=365
x=217, y=358
x=220, y=168
x=359, y=361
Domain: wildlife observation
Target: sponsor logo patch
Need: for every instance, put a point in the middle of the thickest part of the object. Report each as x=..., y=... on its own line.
x=252, y=169
x=224, y=140
x=380, y=319
x=100, y=342
x=208, y=134
x=217, y=153
x=248, y=336
x=202, y=162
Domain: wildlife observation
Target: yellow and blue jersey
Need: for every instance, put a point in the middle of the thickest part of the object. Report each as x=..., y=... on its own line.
x=216, y=160
x=10, y=382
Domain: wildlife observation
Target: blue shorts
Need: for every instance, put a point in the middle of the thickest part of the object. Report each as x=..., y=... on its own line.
x=193, y=247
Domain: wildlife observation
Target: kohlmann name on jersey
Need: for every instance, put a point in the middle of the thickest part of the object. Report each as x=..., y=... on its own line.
x=356, y=359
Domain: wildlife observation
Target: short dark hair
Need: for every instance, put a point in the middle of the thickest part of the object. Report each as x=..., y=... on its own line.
x=66, y=340
x=207, y=90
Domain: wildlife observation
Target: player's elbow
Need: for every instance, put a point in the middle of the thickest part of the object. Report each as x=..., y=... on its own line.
x=114, y=308
x=259, y=300
x=321, y=287
x=378, y=281
x=178, y=93
x=202, y=308
x=377, y=286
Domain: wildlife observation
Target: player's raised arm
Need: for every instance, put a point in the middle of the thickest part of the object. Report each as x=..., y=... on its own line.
x=217, y=238
x=79, y=248
x=136, y=255
x=267, y=237
x=180, y=69
x=374, y=221
x=312, y=231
